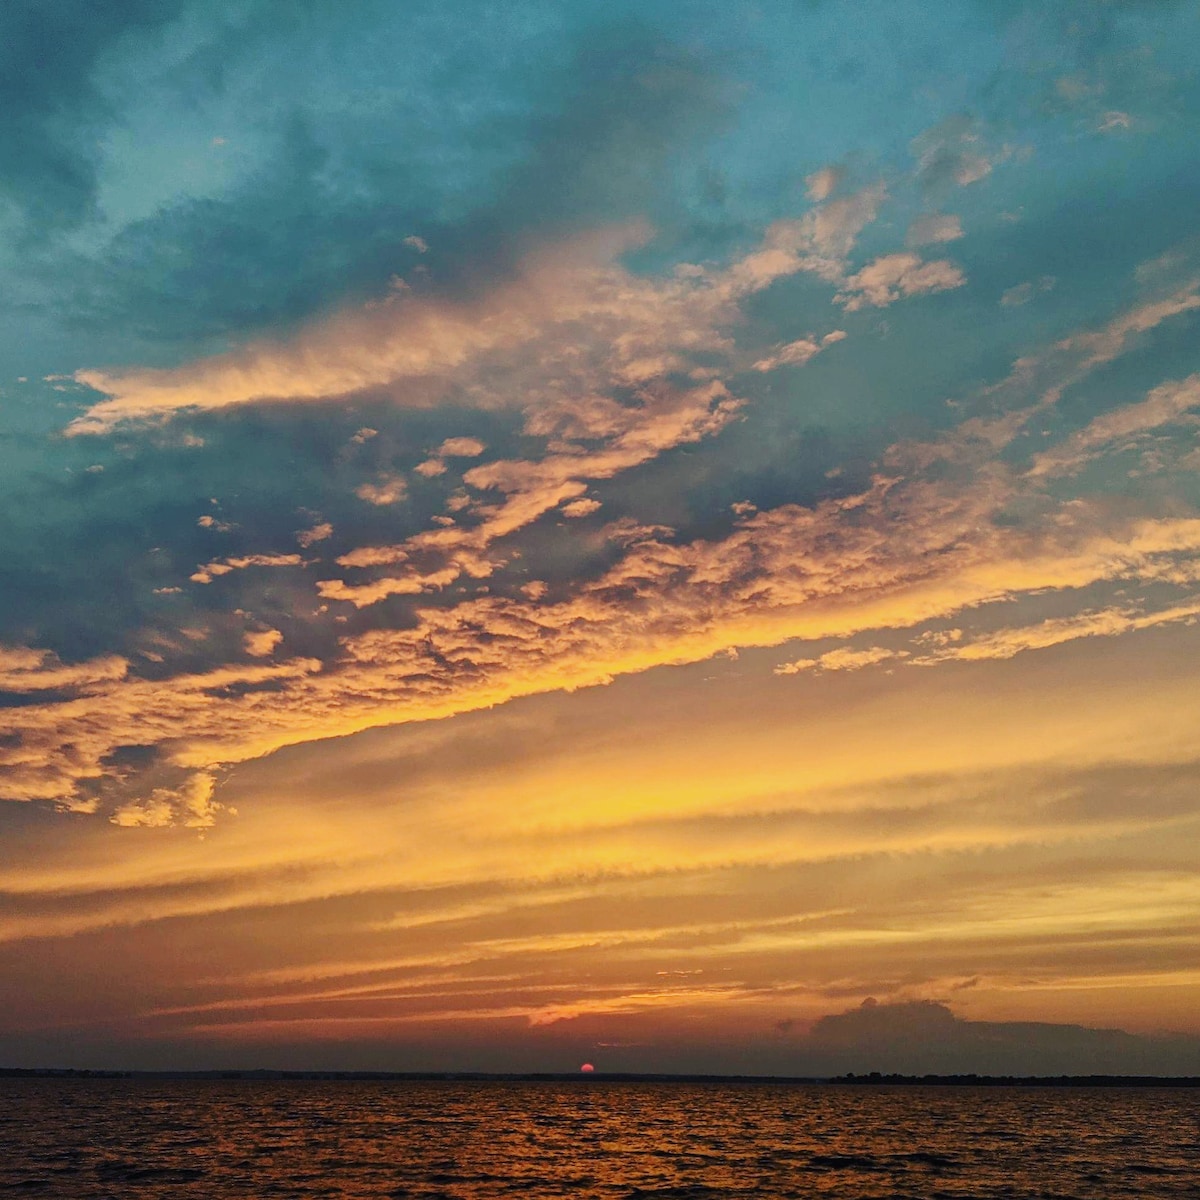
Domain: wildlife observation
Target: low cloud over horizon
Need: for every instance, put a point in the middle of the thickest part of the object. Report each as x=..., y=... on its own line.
x=917, y=1037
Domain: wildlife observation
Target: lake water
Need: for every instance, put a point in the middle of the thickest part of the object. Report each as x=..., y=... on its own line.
x=247, y=1139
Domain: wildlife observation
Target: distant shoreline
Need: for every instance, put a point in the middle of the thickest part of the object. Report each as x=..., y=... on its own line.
x=874, y=1079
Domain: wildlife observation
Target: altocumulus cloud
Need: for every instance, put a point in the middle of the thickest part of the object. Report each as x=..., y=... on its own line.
x=528, y=364
x=831, y=570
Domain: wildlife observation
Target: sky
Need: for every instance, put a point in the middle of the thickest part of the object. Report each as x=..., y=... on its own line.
x=663, y=534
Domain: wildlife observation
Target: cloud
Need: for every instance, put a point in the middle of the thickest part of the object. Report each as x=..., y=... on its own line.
x=823, y=183
x=583, y=507
x=895, y=276
x=461, y=447
x=191, y=805
x=637, y=329
x=841, y=660
x=1006, y=643
x=389, y=490
x=55, y=107
x=317, y=533
x=796, y=934
x=39, y=763
x=819, y=243
x=1024, y=292
x=925, y=1036
x=832, y=569
x=785, y=573
x=954, y=153
x=963, y=825
x=652, y=330
x=799, y=352
x=615, y=369
x=584, y=131
x=207, y=572
x=430, y=468
x=402, y=338
x=934, y=229
x=24, y=670
x=263, y=643
x=1105, y=344
x=1167, y=403
x=665, y=418
x=954, y=646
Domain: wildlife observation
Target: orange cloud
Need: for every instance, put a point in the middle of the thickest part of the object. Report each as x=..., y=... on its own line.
x=318, y=533
x=461, y=447
x=207, y=572
x=571, y=312
x=786, y=573
x=841, y=660
x=190, y=805
x=263, y=643
x=666, y=418
x=921, y=541
x=24, y=670
x=389, y=490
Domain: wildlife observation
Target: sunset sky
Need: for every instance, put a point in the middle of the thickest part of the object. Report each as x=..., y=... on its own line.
x=663, y=534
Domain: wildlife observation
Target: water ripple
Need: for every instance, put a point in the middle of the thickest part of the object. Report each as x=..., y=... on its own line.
x=95, y=1139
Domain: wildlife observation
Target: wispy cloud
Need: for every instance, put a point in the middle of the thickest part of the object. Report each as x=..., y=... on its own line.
x=955, y=152
x=895, y=276
x=1167, y=403
x=934, y=229
x=24, y=670
x=845, y=659
x=639, y=329
x=834, y=569
x=207, y=572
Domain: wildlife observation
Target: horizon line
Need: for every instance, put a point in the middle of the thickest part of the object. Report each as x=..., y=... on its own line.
x=872, y=1078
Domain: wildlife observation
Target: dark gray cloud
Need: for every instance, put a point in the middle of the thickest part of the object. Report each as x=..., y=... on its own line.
x=588, y=137
x=925, y=1036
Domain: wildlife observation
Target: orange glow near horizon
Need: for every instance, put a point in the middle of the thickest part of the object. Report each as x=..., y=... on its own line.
x=527, y=877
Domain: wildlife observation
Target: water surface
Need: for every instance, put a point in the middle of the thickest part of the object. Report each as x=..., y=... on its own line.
x=243, y=1139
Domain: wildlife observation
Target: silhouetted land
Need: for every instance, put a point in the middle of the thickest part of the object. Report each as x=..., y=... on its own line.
x=873, y=1079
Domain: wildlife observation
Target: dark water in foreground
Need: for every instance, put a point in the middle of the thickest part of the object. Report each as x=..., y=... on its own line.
x=246, y=1139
